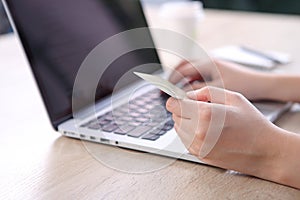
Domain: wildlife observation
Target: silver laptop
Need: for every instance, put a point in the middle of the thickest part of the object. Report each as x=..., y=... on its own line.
x=58, y=35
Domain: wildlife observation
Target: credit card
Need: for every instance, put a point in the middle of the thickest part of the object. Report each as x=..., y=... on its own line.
x=163, y=85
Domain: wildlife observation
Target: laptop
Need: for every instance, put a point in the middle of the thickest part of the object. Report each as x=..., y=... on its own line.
x=57, y=36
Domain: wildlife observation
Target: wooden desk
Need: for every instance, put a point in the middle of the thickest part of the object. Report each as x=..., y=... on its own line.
x=37, y=163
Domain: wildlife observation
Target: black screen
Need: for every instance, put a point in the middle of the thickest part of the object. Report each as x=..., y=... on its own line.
x=58, y=35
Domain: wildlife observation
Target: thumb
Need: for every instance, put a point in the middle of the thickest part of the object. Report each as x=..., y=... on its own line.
x=209, y=94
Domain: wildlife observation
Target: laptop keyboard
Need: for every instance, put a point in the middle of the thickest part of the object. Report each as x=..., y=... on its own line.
x=144, y=117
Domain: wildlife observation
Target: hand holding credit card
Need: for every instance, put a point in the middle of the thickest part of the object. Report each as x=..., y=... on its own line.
x=163, y=85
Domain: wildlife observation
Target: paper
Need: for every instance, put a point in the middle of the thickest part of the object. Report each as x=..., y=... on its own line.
x=163, y=85
x=238, y=55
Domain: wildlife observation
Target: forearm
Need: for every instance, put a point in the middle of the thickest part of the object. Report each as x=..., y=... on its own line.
x=280, y=162
x=288, y=162
x=278, y=87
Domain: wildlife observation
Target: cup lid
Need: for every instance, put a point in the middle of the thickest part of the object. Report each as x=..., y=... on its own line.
x=190, y=9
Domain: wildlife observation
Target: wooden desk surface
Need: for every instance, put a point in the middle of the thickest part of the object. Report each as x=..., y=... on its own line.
x=38, y=163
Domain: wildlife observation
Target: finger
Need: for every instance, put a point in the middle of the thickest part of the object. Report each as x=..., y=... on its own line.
x=183, y=71
x=200, y=70
x=190, y=140
x=198, y=85
x=183, y=123
x=202, y=140
x=185, y=108
x=184, y=137
x=209, y=94
x=188, y=87
x=180, y=65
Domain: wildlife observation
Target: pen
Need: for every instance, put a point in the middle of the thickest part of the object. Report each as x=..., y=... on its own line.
x=261, y=54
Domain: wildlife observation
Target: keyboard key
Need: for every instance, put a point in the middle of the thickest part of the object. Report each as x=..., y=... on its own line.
x=158, y=119
x=150, y=137
x=149, y=101
x=171, y=122
x=159, y=132
x=157, y=111
x=157, y=115
x=149, y=106
x=123, y=130
x=94, y=126
x=142, y=110
x=142, y=119
x=155, y=131
x=167, y=127
x=120, y=122
x=103, y=122
x=154, y=95
x=141, y=98
x=93, y=121
x=100, y=117
x=139, y=131
x=122, y=109
x=133, y=107
x=139, y=102
x=126, y=118
x=134, y=114
x=109, y=117
x=153, y=124
x=117, y=114
x=135, y=123
x=110, y=127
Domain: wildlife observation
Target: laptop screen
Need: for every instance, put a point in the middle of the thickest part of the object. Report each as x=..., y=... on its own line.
x=57, y=36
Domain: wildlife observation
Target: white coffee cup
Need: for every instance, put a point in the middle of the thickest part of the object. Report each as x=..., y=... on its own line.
x=183, y=17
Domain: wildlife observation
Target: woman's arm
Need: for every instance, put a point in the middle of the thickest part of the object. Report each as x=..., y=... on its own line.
x=278, y=87
x=242, y=140
x=288, y=160
x=254, y=85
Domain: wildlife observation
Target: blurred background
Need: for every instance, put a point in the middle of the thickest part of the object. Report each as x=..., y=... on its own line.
x=269, y=6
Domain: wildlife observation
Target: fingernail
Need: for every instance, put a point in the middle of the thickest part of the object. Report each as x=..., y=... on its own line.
x=172, y=102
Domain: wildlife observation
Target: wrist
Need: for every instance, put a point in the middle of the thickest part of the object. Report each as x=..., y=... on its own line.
x=277, y=87
x=281, y=163
x=269, y=155
x=273, y=168
x=288, y=160
x=264, y=85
